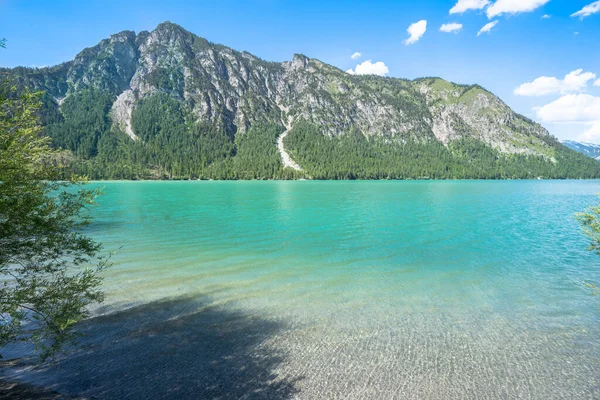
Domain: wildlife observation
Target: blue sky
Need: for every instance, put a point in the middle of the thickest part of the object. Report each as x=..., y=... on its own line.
x=531, y=39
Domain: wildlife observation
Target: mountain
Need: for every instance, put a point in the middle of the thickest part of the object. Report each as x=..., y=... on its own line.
x=169, y=104
x=589, y=149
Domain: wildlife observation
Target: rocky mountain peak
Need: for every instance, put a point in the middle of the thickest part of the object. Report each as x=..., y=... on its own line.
x=234, y=90
x=170, y=35
x=123, y=36
x=300, y=61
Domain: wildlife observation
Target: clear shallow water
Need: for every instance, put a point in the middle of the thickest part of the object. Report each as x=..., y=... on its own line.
x=341, y=290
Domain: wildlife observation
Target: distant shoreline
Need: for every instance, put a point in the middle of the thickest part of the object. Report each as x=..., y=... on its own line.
x=344, y=180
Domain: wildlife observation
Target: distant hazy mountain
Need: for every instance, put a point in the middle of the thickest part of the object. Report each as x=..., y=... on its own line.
x=589, y=149
x=169, y=104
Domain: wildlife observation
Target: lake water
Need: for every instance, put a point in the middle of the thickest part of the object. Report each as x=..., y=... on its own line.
x=340, y=290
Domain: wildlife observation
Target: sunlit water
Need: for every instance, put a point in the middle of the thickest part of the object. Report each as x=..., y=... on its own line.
x=341, y=290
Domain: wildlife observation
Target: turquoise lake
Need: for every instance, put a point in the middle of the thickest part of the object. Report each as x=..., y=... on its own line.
x=340, y=290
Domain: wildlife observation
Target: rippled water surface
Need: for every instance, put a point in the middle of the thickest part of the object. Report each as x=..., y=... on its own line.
x=341, y=290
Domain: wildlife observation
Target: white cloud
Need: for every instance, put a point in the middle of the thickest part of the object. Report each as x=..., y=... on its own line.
x=597, y=83
x=546, y=16
x=588, y=10
x=513, y=7
x=579, y=109
x=452, y=27
x=370, y=68
x=416, y=32
x=487, y=28
x=571, y=108
x=356, y=55
x=591, y=134
x=574, y=81
x=465, y=5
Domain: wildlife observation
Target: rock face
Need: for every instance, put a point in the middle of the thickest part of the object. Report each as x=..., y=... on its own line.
x=235, y=89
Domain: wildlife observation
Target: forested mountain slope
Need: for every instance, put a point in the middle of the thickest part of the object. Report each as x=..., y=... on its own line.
x=168, y=104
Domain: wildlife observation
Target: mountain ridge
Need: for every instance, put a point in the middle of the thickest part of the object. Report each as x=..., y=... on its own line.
x=214, y=86
x=589, y=149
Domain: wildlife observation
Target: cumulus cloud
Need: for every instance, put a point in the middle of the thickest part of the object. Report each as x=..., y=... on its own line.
x=546, y=16
x=487, y=28
x=597, y=83
x=465, y=5
x=356, y=55
x=591, y=134
x=452, y=27
x=588, y=10
x=416, y=32
x=577, y=109
x=571, y=108
x=370, y=68
x=574, y=81
x=513, y=7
